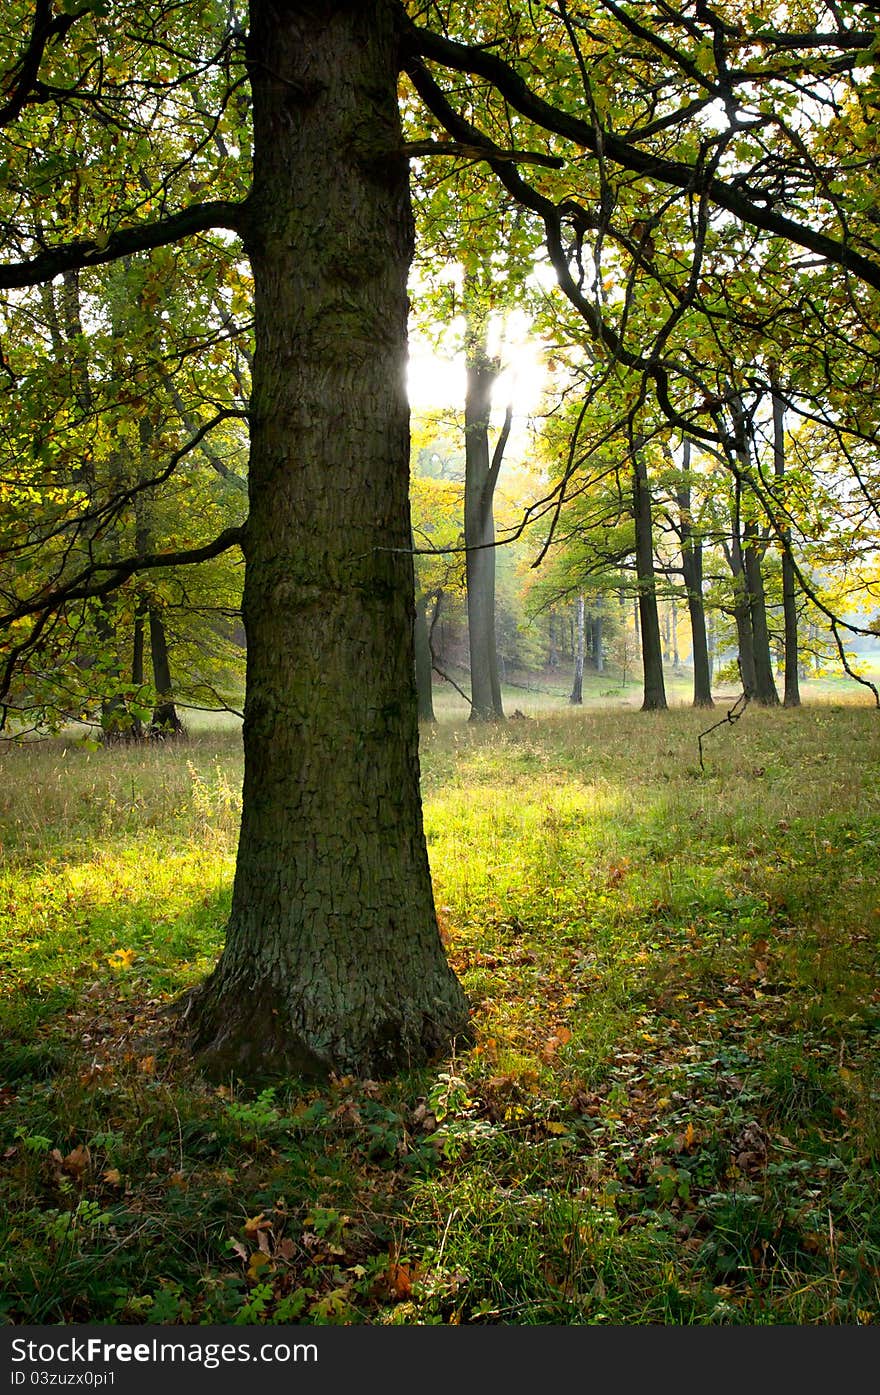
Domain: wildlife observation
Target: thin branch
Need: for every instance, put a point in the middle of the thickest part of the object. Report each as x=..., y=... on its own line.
x=732, y=716
x=416, y=148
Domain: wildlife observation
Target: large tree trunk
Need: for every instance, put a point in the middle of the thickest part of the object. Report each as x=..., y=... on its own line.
x=692, y=572
x=649, y=622
x=577, y=689
x=481, y=476
x=333, y=958
x=792, y=697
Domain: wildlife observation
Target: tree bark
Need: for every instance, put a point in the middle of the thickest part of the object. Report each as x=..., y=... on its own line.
x=598, y=643
x=333, y=958
x=692, y=572
x=481, y=476
x=577, y=690
x=649, y=623
x=792, y=692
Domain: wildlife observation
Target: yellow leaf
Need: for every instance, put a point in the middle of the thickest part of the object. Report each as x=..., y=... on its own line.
x=553, y=1126
x=147, y=1064
x=258, y=1262
x=256, y=1224
x=113, y=1176
x=121, y=958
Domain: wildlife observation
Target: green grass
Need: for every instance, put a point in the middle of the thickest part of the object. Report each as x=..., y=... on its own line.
x=672, y=1111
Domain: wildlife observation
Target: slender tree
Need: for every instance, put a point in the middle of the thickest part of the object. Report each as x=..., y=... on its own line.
x=577, y=690
x=692, y=572
x=654, y=698
x=792, y=695
x=482, y=469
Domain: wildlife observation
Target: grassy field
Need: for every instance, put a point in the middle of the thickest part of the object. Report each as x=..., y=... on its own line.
x=671, y=1114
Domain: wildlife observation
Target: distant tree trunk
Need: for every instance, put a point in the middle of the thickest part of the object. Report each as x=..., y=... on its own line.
x=792, y=690
x=649, y=623
x=765, y=687
x=751, y=605
x=424, y=663
x=552, y=651
x=742, y=611
x=137, y=650
x=674, y=625
x=667, y=634
x=333, y=960
x=115, y=719
x=578, y=685
x=637, y=629
x=165, y=719
x=743, y=618
x=137, y=668
x=692, y=572
x=598, y=644
x=481, y=477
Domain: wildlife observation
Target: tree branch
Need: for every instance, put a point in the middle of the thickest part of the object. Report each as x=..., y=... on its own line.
x=45, y=27
x=415, y=148
x=600, y=141
x=85, y=586
x=126, y=242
